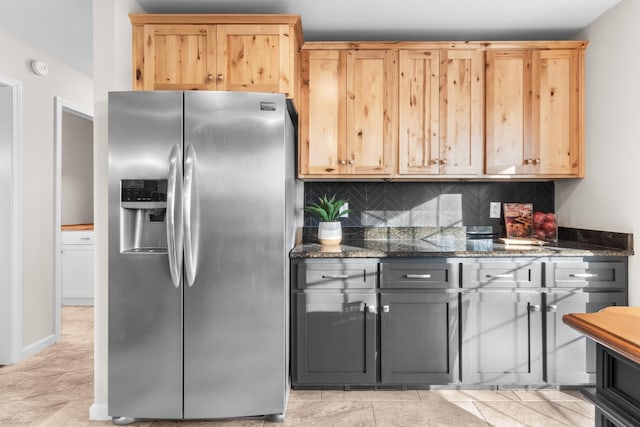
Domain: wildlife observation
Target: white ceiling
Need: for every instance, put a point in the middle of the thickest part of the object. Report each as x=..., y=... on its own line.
x=62, y=28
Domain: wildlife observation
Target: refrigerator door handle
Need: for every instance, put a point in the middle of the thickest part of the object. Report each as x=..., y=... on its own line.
x=174, y=215
x=191, y=216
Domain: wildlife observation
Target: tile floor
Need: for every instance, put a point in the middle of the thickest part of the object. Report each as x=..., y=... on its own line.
x=55, y=388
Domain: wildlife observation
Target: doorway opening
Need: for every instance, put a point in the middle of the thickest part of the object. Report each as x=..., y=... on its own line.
x=10, y=221
x=73, y=207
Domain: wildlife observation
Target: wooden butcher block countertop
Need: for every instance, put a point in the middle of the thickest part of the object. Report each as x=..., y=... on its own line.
x=77, y=227
x=617, y=328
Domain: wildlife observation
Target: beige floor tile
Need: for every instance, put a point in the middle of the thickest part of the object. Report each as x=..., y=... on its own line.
x=470, y=395
x=305, y=395
x=76, y=414
x=211, y=423
x=27, y=412
x=549, y=395
x=336, y=413
x=533, y=414
x=425, y=413
x=370, y=395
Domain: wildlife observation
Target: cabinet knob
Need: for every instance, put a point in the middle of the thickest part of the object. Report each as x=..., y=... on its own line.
x=372, y=309
x=443, y=161
x=528, y=161
x=552, y=308
x=534, y=308
x=536, y=161
x=209, y=77
x=385, y=308
x=435, y=161
x=350, y=162
x=220, y=77
x=342, y=162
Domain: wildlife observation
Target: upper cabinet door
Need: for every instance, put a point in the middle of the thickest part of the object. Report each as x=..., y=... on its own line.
x=370, y=111
x=419, y=112
x=461, y=112
x=254, y=58
x=508, y=117
x=556, y=120
x=323, y=114
x=177, y=57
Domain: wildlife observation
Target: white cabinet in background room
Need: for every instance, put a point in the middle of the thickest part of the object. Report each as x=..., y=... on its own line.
x=77, y=268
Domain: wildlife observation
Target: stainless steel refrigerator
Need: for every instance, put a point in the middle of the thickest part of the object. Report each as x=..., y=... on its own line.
x=201, y=221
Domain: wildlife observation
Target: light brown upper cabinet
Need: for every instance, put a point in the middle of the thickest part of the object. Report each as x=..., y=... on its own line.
x=534, y=111
x=347, y=112
x=216, y=52
x=441, y=112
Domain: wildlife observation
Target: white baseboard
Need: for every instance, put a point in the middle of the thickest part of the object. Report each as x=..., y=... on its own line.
x=99, y=412
x=38, y=346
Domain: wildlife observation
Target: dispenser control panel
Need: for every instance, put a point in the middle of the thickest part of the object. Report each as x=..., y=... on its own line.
x=144, y=190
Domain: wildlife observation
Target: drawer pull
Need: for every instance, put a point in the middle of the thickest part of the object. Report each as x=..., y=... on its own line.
x=385, y=308
x=335, y=276
x=534, y=308
x=499, y=276
x=583, y=275
x=85, y=238
x=417, y=276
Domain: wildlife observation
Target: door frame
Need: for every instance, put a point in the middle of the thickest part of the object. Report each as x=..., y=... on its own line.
x=15, y=282
x=60, y=105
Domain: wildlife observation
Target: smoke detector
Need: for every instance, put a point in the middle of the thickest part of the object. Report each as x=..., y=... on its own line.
x=39, y=68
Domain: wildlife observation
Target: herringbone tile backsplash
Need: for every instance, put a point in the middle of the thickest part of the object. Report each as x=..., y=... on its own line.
x=398, y=204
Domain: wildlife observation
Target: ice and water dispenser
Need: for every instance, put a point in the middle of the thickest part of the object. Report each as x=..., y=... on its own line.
x=143, y=208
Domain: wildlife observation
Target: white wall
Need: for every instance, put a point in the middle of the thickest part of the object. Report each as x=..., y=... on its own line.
x=112, y=42
x=609, y=197
x=77, y=169
x=38, y=177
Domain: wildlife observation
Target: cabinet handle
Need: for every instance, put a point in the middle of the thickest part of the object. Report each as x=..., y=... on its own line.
x=335, y=276
x=537, y=162
x=220, y=77
x=372, y=309
x=85, y=238
x=552, y=308
x=342, y=162
x=350, y=162
x=499, y=276
x=443, y=161
x=528, y=161
x=417, y=276
x=385, y=308
x=209, y=77
x=534, y=308
x=583, y=275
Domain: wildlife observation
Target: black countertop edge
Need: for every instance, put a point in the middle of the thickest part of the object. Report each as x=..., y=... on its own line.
x=450, y=243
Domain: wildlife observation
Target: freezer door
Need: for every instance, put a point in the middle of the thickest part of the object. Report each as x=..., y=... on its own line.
x=235, y=309
x=145, y=306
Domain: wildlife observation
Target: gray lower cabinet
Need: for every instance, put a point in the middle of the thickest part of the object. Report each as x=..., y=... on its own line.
x=501, y=337
x=419, y=338
x=336, y=338
x=570, y=355
x=335, y=322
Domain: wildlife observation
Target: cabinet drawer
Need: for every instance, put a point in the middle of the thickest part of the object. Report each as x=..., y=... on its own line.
x=417, y=275
x=595, y=274
x=77, y=237
x=502, y=275
x=337, y=275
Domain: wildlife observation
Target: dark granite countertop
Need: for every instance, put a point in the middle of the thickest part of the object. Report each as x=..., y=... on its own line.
x=419, y=243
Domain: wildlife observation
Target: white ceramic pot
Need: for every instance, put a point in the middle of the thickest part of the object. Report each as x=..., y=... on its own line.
x=330, y=233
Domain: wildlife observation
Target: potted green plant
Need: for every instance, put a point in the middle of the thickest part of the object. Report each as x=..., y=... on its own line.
x=328, y=211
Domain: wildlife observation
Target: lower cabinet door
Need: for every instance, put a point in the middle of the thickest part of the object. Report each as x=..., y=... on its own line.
x=335, y=338
x=419, y=338
x=501, y=337
x=571, y=356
